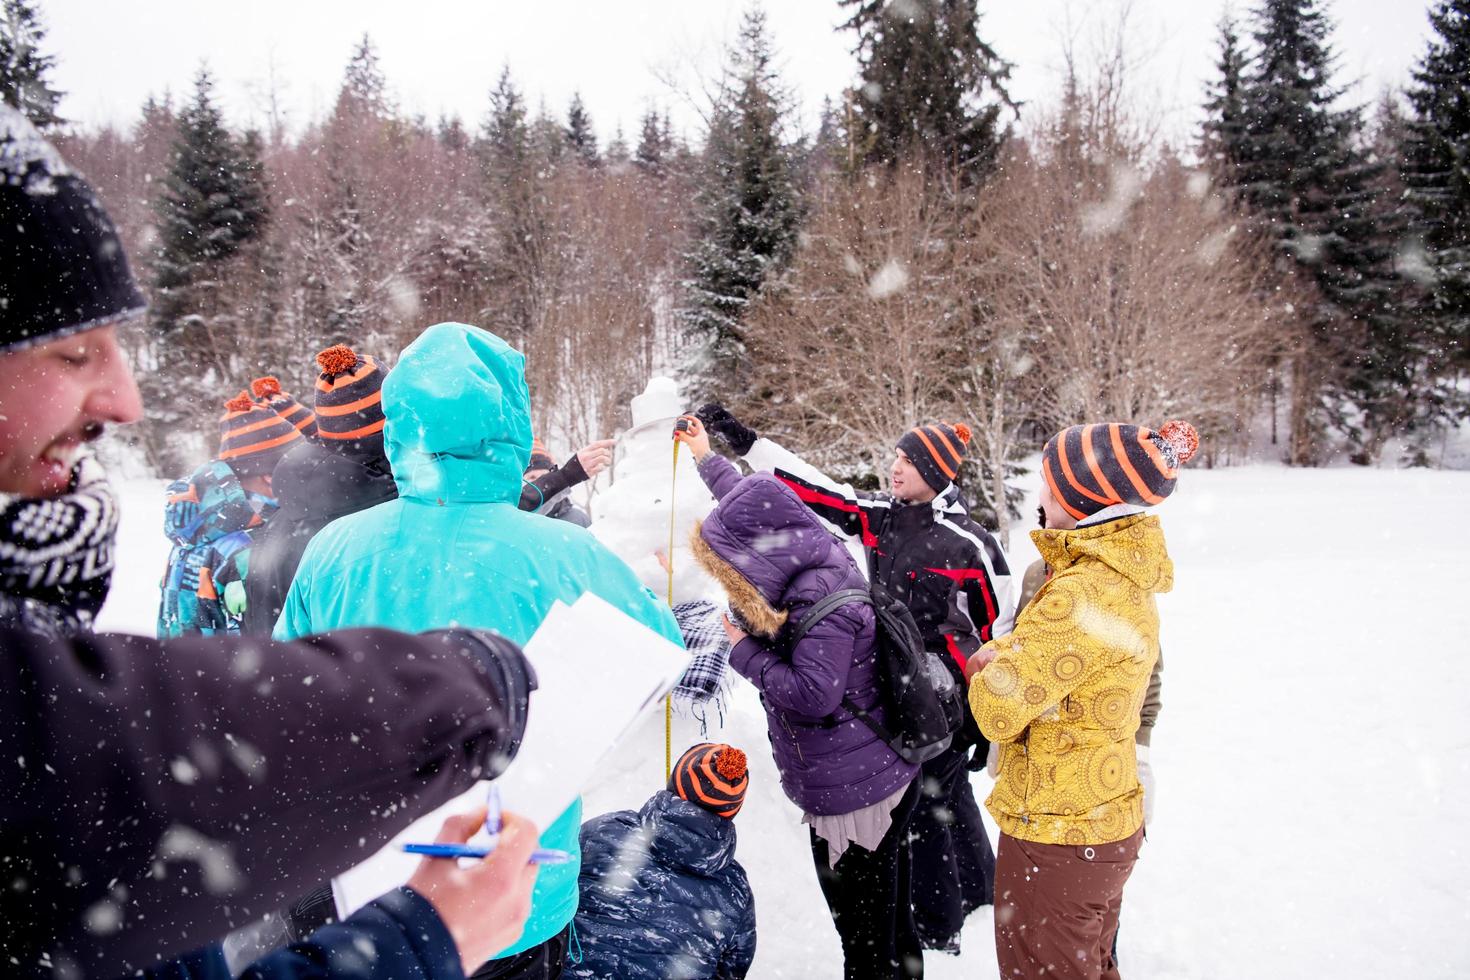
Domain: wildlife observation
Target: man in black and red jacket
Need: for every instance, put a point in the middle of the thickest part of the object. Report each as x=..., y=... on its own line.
x=921, y=544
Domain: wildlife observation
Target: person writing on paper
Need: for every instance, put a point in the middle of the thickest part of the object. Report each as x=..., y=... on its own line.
x=775, y=561
x=157, y=791
x=454, y=548
x=662, y=893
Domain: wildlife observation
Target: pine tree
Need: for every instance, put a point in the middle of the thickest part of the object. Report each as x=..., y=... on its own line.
x=514, y=186
x=617, y=148
x=928, y=83
x=364, y=91
x=748, y=209
x=549, y=144
x=341, y=232
x=650, y=156
x=1436, y=172
x=579, y=133
x=213, y=205
x=23, y=67
x=1222, y=136
x=1308, y=186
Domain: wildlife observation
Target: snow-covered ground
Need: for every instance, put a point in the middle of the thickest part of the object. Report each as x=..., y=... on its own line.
x=1313, y=753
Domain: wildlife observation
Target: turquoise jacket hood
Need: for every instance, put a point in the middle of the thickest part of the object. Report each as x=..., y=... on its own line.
x=459, y=417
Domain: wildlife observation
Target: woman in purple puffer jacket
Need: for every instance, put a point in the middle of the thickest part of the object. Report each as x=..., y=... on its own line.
x=775, y=561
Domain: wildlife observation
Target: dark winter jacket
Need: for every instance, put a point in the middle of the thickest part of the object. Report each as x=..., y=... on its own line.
x=948, y=570
x=402, y=930
x=158, y=794
x=662, y=896
x=775, y=560
x=550, y=493
x=314, y=485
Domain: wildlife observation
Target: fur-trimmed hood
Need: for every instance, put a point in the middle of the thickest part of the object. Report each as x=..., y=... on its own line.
x=763, y=618
x=756, y=542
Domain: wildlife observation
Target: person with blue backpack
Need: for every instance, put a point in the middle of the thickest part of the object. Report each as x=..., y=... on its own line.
x=453, y=548
x=818, y=674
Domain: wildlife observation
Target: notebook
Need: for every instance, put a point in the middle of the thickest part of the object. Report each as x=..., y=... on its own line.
x=597, y=671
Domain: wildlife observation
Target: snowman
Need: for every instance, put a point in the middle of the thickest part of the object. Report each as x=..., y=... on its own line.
x=632, y=516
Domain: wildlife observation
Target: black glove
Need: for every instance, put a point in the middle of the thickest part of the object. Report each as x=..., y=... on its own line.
x=512, y=680
x=737, y=436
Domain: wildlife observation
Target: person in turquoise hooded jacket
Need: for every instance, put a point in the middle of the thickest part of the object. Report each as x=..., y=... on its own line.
x=454, y=548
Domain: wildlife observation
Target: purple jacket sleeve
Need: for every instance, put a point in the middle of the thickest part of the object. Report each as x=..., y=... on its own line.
x=814, y=679
x=719, y=474
x=158, y=794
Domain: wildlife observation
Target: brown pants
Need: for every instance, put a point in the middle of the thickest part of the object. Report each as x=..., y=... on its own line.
x=1056, y=907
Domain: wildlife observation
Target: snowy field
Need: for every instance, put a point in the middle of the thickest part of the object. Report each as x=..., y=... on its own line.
x=1312, y=755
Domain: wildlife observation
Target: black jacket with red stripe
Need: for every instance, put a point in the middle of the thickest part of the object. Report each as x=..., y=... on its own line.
x=948, y=570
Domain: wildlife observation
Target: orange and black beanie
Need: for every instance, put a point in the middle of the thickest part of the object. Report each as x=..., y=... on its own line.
x=349, y=397
x=268, y=389
x=541, y=458
x=711, y=776
x=252, y=437
x=936, y=450
x=1090, y=467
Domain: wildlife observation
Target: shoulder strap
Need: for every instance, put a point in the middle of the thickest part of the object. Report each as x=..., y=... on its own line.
x=824, y=607
x=820, y=610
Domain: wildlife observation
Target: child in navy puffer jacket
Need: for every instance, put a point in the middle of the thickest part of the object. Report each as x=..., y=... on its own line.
x=662, y=896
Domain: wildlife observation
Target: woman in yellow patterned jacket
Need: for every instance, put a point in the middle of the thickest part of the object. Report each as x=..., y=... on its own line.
x=1061, y=696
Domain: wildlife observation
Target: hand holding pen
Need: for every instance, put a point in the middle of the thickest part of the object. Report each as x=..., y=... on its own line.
x=483, y=905
x=493, y=823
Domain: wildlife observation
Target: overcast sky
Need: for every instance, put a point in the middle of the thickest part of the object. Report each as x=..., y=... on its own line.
x=443, y=56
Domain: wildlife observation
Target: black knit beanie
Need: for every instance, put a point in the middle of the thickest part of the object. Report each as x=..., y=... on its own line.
x=62, y=267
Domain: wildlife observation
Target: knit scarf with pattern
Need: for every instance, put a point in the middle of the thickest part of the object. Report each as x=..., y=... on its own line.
x=56, y=555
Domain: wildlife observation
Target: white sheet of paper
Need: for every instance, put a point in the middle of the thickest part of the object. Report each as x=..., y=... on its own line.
x=597, y=670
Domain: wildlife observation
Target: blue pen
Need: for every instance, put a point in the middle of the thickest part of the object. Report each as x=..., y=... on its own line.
x=539, y=856
x=493, y=822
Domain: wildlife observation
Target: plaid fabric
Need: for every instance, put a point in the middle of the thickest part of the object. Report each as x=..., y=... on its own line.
x=709, y=651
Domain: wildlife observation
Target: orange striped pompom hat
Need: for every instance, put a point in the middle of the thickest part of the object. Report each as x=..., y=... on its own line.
x=252, y=437
x=712, y=776
x=937, y=451
x=268, y=389
x=349, y=398
x=1090, y=467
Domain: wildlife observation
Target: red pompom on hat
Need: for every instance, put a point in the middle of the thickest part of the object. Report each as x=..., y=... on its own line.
x=731, y=764
x=1182, y=438
x=337, y=359
x=263, y=388
x=240, y=403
